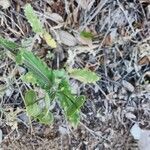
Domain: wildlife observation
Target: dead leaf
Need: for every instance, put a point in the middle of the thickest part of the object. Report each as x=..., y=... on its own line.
x=11, y=117
x=144, y=54
x=144, y=1
x=144, y=49
x=75, y=15
x=56, y=17
x=148, y=11
x=144, y=60
x=147, y=74
x=66, y=38
x=82, y=3
x=85, y=4
x=49, y=40
x=85, y=41
x=128, y=86
x=130, y=115
x=5, y=4
x=107, y=41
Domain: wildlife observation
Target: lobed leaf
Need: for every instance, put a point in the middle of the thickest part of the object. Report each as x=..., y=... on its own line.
x=37, y=26
x=33, y=19
x=43, y=75
x=12, y=46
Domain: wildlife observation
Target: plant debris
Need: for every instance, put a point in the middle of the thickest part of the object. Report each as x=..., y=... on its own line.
x=109, y=38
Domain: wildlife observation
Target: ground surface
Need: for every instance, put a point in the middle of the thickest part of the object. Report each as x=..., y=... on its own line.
x=119, y=53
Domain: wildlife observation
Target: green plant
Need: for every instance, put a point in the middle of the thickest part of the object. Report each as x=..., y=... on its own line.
x=87, y=35
x=55, y=83
x=37, y=26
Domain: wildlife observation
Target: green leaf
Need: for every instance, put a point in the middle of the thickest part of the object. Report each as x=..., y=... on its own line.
x=84, y=75
x=69, y=103
x=33, y=110
x=65, y=95
x=43, y=75
x=30, y=97
x=29, y=78
x=28, y=42
x=32, y=107
x=78, y=103
x=12, y=46
x=86, y=34
x=19, y=58
x=60, y=73
x=37, y=26
x=46, y=117
x=74, y=119
x=33, y=19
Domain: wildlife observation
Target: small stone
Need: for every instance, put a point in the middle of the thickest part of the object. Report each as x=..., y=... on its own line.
x=136, y=131
x=63, y=130
x=144, y=141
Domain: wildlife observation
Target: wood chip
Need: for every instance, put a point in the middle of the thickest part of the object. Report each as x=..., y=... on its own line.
x=144, y=60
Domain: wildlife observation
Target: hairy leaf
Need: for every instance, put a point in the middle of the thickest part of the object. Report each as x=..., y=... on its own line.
x=12, y=46
x=84, y=75
x=39, y=69
x=33, y=19
x=37, y=26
